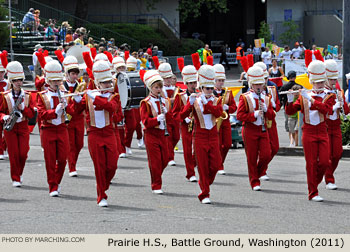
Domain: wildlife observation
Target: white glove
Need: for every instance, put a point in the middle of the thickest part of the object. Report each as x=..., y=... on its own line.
x=264, y=107
x=92, y=95
x=305, y=94
x=256, y=113
x=290, y=98
x=336, y=106
x=204, y=100
x=59, y=109
x=187, y=120
x=192, y=98
x=78, y=98
x=225, y=107
x=164, y=109
x=161, y=118
x=5, y=118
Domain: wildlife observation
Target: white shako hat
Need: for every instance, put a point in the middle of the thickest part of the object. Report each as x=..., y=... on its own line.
x=150, y=77
x=118, y=62
x=317, y=71
x=255, y=75
x=347, y=76
x=2, y=68
x=263, y=67
x=131, y=62
x=189, y=74
x=14, y=71
x=48, y=59
x=101, y=56
x=206, y=76
x=219, y=72
x=53, y=71
x=101, y=71
x=69, y=63
x=331, y=69
x=165, y=71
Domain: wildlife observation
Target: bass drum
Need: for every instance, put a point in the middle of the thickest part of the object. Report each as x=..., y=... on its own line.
x=131, y=89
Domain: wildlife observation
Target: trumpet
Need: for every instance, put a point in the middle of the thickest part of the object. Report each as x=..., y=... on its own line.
x=190, y=124
x=66, y=119
x=15, y=115
x=224, y=114
x=166, y=133
x=263, y=129
x=297, y=91
x=82, y=93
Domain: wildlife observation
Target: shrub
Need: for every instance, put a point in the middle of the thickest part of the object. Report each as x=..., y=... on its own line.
x=345, y=131
x=4, y=30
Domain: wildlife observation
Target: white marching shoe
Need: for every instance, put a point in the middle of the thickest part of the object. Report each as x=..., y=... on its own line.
x=21, y=179
x=16, y=184
x=2, y=157
x=73, y=174
x=317, y=198
x=172, y=163
x=128, y=151
x=103, y=203
x=54, y=194
x=221, y=172
x=6, y=155
x=331, y=186
x=206, y=201
x=264, y=178
x=122, y=155
x=256, y=188
x=192, y=179
x=157, y=191
x=140, y=143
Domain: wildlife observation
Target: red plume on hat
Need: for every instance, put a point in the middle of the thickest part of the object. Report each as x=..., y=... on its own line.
x=46, y=53
x=41, y=59
x=244, y=63
x=89, y=72
x=308, y=57
x=109, y=56
x=93, y=52
x=195, y=60
x=318, y=55
x=210, y=60
x=250, y=60
x=180, y=63
x=142, y=73
x=87, y=59
x=126, y=55
x=156, y=61
x=3, y=57
x=59, y=55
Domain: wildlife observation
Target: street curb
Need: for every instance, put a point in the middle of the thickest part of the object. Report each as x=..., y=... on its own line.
x=298, y=151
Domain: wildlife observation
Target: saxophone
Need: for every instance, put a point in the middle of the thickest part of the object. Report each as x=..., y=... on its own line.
x=261, y=108
x=15, y=114
x=224, y=114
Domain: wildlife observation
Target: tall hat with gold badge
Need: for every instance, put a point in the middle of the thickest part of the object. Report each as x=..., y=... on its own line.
x=53, y=71
x=150, y=77
x=101, y=71
x=165, y=71
x=255, y=75
x=69, y=63
x=317, y=71
x=118, y=62
x=189, y=74
x=131, y=63
x=206, y=76
x=14, y=71
x=219, y=72
x=331, y=69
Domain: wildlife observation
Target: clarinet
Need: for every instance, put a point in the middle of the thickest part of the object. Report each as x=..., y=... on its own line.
x=345, y=118
x=166, y=133
x=66, y=120
x=260, y=108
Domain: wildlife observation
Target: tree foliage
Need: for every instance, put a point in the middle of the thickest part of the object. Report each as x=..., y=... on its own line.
x=4, y=29
x=291, y=34
x=264, y=32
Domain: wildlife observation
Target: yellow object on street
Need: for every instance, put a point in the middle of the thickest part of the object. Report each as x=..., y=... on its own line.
x=302, y=80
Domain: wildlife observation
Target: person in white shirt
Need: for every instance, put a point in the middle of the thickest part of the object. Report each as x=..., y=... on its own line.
x=266, y=57
x=296, y=51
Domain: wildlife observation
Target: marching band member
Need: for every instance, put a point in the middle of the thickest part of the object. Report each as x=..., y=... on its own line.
x=205, y=109
x=314, y=105
x=54, y=133
x=333, y=122
x=254, y=109
x=154, y=114
x=17, y=138
x=173, y=126
x=271, y=91
x=40, y=81
x=189, y=76
x=229, y=106
x=100, y=106
x=76, y=123
x=4, y=86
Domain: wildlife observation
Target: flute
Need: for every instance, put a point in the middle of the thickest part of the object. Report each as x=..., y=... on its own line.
x=95, y=90
x=297, y=91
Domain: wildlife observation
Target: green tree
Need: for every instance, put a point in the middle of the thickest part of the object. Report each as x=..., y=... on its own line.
x=291, y=34
x=4, y=29
x=264, y=32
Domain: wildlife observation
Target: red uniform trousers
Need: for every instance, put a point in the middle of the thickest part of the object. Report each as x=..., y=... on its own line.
x=225, y=138
x=257, y=149
x=137, y=123
x=121, y=146
x=316, y=151
x=130, y=126
x=103, y=150
x=18, y=147
x=55, y=142
x=173, y=138
x=157, y=153
x=76, y=140
x=274, y=144
x=190, y=160
x=2, y=140
x=206, y=145
x=335, y=149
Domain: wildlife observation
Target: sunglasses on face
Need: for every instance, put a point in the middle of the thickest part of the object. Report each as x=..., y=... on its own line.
x=209, y=88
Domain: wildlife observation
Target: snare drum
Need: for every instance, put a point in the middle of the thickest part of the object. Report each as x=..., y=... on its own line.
x=131, y=89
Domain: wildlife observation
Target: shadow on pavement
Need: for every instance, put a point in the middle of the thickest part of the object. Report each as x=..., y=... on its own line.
x=32, y=188
x=2, y=200
x=281, y=192
x=179, y=195
x=228, y=205
x=138, y=209
x=126, y=185
x=74, y=197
